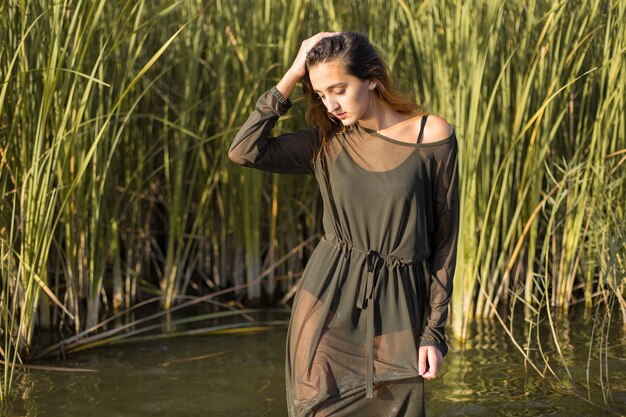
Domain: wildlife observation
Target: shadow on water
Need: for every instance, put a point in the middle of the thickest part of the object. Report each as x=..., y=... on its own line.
x=243, y=375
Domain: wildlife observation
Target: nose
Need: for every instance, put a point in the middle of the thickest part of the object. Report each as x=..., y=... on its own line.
x=332, y=105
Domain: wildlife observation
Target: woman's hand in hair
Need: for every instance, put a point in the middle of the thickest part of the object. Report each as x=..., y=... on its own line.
x=298, y=68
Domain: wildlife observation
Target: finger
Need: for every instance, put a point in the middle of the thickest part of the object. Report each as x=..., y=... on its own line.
x=421, y=361
x=314, y=40
x=430, y=374
x=310, y=43
x=433, y=359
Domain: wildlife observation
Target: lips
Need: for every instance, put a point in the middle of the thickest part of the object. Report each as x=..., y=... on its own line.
x=341, y=115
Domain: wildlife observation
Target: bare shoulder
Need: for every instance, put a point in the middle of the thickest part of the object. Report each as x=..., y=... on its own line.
x=436, y=128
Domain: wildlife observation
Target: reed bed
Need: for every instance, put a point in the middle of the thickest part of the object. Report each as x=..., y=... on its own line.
x=116, y=191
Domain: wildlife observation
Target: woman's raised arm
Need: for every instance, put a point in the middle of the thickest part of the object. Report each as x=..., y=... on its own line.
x=292, y=153
x=255, y=147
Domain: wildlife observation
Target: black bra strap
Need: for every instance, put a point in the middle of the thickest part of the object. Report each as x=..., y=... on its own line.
x=419, y=136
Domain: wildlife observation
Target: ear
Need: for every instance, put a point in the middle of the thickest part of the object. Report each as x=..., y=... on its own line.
x=372, y=85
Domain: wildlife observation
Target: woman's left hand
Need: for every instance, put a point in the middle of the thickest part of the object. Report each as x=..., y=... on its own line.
x=429, y=360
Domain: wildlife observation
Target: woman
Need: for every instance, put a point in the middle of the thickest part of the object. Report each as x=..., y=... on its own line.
x=367, y=325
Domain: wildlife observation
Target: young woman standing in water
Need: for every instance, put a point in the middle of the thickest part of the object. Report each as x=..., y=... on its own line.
x=367, y=325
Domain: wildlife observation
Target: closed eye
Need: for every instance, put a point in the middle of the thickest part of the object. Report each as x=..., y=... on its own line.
x=340, y=92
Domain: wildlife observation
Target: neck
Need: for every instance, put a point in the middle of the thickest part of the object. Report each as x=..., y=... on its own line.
x=380, y=116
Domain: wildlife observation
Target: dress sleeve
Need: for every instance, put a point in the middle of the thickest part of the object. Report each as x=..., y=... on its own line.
x=442, y=261
x=254, y=146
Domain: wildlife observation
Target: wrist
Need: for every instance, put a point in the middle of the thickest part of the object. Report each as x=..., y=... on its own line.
x=287, y=83
x=295, y=73
x=441, y=346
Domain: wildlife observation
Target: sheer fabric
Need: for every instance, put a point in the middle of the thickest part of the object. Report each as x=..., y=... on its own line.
x=378, y=284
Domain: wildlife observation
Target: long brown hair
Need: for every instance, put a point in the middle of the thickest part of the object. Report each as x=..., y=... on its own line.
x=361, y=60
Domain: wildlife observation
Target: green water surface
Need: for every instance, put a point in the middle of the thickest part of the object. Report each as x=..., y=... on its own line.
x=243, y=375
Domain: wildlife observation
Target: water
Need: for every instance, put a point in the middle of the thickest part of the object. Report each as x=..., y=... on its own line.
x=243, y=375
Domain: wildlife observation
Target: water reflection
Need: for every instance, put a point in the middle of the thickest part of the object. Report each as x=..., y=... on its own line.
x=243, y=375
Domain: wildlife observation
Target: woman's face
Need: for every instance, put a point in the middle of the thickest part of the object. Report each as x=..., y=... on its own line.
x=345, y=96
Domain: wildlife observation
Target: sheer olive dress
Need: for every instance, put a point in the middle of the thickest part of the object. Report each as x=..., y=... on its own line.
x=378, y=284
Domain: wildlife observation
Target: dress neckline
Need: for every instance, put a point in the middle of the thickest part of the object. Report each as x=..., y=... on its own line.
x=399, y=142
x=362, y=169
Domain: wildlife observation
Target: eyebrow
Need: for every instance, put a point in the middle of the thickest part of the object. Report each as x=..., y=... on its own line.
x=330, y=87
